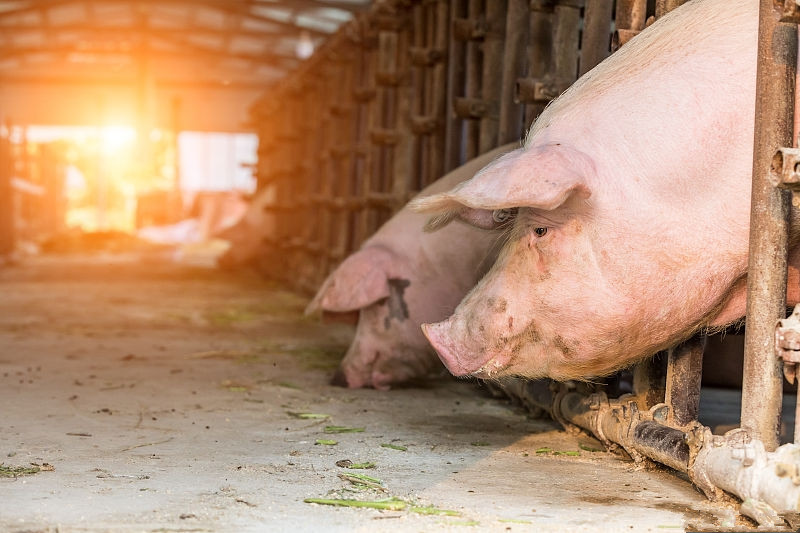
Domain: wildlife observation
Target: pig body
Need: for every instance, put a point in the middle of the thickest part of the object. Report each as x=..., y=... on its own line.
x=632, y=202
x=400, y=278
x=247, y=235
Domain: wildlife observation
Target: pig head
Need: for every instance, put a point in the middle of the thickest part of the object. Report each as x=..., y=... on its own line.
x=630, y=203
x=400, y=278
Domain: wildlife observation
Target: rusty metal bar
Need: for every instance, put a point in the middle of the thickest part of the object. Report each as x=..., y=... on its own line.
x=540, y=51
x=767, y=269
x=492, y=75
x=596, y=41
x=439, y=91
x=474, y=74
x=565, y=40
x=630, y=20
x=511, y=113
x=684, y=373
x=649, y=381
x=665, y=6
x=456, y=81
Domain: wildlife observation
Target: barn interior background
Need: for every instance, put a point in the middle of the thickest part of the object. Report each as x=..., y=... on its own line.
x=327, y=116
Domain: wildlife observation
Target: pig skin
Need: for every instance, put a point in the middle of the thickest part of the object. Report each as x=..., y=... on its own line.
x=632, y=194
x=400, y=278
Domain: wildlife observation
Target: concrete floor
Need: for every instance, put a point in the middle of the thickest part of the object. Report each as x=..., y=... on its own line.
x=163, y=398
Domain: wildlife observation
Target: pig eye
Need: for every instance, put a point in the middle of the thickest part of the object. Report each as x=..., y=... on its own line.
x=501, y=216
x=540, y=232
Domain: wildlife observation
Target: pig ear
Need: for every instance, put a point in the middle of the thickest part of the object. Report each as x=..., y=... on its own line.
x=542, y=178
x=361, y=280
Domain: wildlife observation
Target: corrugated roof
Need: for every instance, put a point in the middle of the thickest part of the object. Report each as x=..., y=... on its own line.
x=245, y=43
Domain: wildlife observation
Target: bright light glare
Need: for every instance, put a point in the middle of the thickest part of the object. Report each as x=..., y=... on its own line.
x=117, y=137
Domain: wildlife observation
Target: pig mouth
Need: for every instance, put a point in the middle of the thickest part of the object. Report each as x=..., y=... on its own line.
x=486, y=366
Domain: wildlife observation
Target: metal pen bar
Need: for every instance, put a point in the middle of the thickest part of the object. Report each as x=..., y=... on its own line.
x=766, y=281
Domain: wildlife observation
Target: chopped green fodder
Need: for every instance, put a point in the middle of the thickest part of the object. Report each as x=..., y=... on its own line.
x=513, y=521
x=551, y=451
x=327, y=442
x=394, y=447
x=343, y=429
x=589, y=448
x=281, y=304
x=431, y=510
x=17, y=471
x=347, y=463
x=464, y=523
x=360, y=480
x=362, y=466
x=391, y=504
x=229, y=317
x=309, y=357
x=308, y=416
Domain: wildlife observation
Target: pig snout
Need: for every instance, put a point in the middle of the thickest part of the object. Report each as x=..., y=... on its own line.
x=458, y=359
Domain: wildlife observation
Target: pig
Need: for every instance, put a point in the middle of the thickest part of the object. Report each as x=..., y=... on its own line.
x=247, y=235
x=400, y=278
x=630, y=200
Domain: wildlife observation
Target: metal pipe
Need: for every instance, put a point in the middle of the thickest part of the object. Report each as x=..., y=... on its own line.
x=766, y=281
x=684, y=373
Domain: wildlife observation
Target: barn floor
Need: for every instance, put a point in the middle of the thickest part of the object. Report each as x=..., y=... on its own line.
x=157, y=398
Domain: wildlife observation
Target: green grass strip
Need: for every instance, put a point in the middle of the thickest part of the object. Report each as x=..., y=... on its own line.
x=16, y=471
x=343, y=429
x=383, y=505
x=327, y=442
x=308, y=416
x=394, y=447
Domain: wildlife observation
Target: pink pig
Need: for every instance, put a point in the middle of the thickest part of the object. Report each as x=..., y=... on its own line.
x=631, y=198
x=400, y=278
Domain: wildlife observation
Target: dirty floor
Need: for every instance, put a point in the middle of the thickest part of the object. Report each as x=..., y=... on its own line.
x=156, y=398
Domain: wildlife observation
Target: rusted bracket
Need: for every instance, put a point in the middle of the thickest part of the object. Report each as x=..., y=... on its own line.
x=539, y=90
x=787, y=344
x=784, y=171
x=390, y=79
x=469, y=29
x=363, y=94
x=425, y=57
x=622, y=36
x=472, y=108
x=541, y=6
x=791, y=11
x=384, y=136
x=423, y=125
